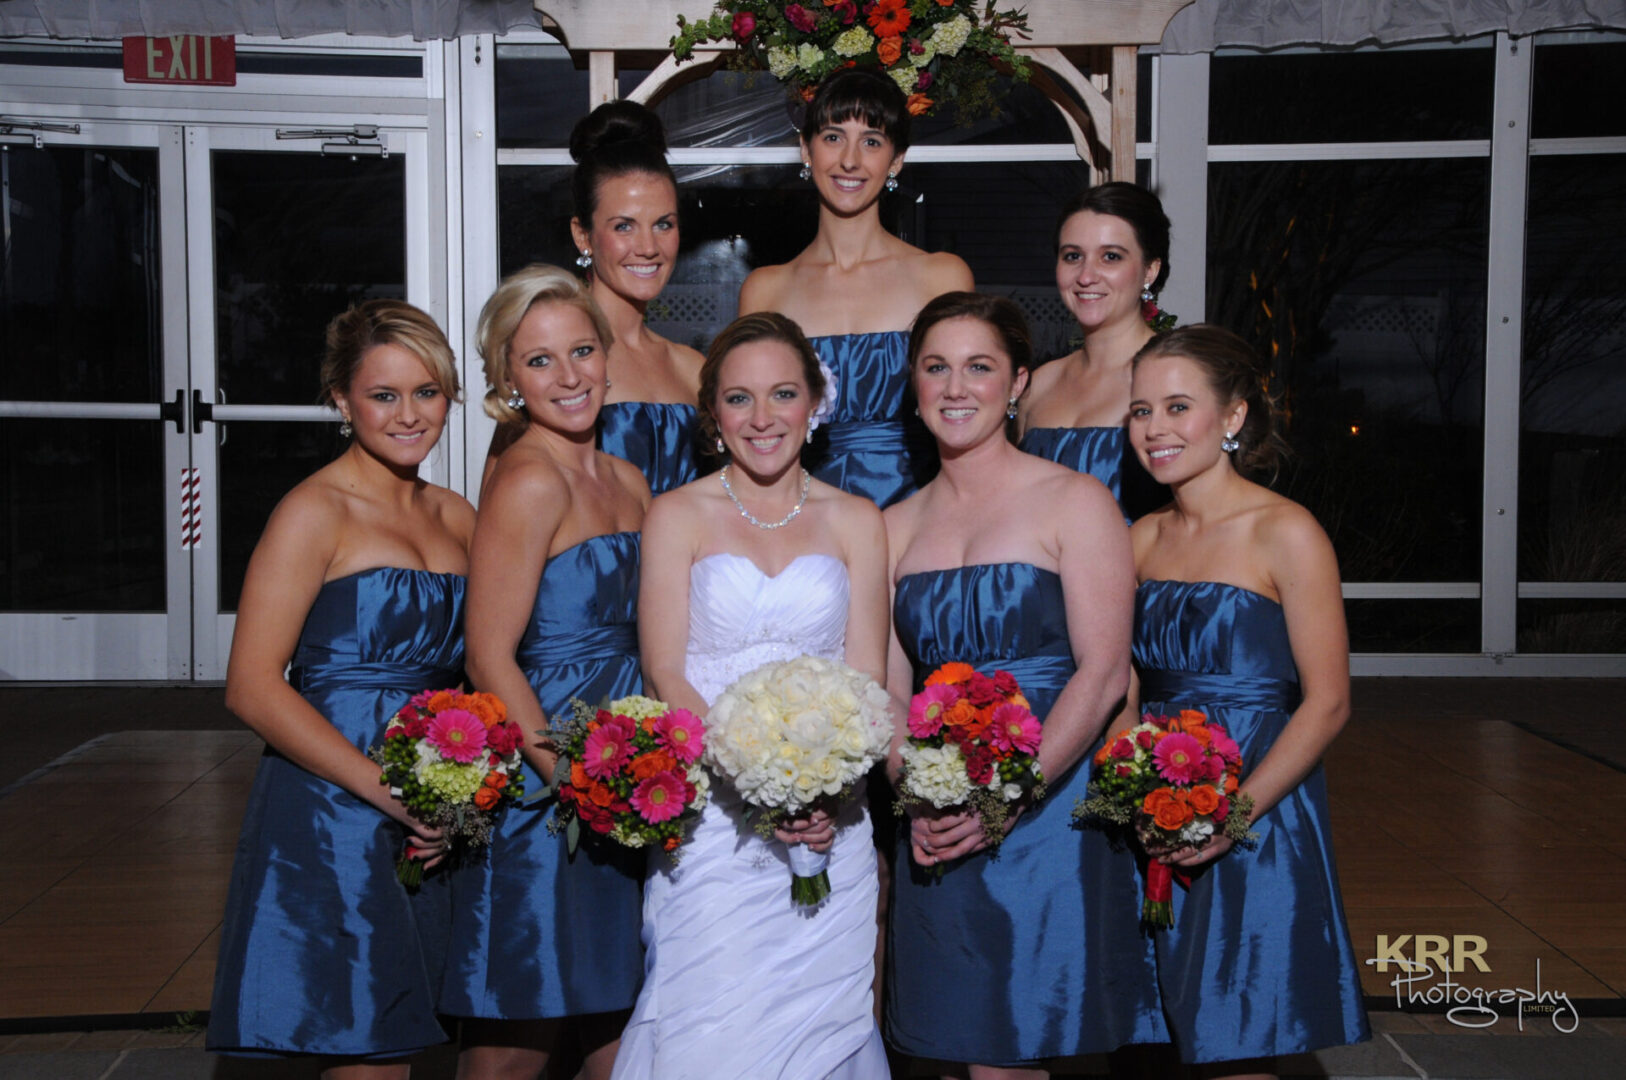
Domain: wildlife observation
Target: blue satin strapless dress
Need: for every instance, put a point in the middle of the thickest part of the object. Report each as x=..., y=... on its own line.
x=323, y=951
x=1035, y=952
x=662, y=439
x=873, y=445
x=1104, y=453
x=537, y=932
x=1259, y=960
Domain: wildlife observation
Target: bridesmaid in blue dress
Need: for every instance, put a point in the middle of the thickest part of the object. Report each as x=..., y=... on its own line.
x=856, y=288
x=625, y=227
x=1239, y=614
x=1009, y=562
x=358, y=582
x=539, y=935
x=1112, y=256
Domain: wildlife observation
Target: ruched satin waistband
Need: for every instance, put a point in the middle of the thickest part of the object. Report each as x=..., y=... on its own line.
x=1032, y=673
x=409, y=678
x=1255, y=692
x=867, y=436
x=609, y=642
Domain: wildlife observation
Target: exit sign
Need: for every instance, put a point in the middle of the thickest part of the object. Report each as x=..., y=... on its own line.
x=181, y=60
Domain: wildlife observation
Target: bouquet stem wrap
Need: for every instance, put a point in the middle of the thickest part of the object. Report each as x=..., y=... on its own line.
x=1158, y=908
x=810, y=880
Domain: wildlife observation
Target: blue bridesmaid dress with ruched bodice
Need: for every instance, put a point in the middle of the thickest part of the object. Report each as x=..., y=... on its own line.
x=873, y=445
x=661, y=438
x=1259, y=960
x=537, y=932
x=1104, y=453
x=1035, y=951
x=323, y=951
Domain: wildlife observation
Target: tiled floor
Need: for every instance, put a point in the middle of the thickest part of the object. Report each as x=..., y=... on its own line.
x=1449, y=819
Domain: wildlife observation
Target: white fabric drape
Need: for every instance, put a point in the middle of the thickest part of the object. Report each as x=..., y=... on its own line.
x=1265, y=24
x=419, y=19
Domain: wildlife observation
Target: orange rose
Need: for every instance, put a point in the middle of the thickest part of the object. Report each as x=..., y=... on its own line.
x=919, y=104
x=1204, y=799
x=579, y=777
x=671, y=843
x=952, y=673
x=443, y=699
x=652, y=763
x=1173, y=815
x=486, y=797
x=600, y=795
x=1156, y=800
x=1101, y=754
x=889, y=50
x=1230, y=784
x=959, y=714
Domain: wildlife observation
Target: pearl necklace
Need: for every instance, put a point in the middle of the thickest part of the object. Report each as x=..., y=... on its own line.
x=728, y=489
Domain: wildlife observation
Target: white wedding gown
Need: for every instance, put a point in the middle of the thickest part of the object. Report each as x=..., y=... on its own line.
x=739, y=982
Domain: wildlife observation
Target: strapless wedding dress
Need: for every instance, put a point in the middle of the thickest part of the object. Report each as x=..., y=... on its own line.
x=740, y=981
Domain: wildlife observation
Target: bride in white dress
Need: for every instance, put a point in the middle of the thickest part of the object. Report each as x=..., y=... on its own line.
x=753, y=564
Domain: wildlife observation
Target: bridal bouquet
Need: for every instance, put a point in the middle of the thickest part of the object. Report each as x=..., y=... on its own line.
x=453, y=760
x=631, y=770
x=1173, y=778
x=791, y=736
x=973, y=743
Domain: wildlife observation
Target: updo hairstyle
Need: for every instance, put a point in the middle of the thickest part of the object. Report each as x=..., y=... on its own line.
x=760, y=326
x=615, y=139
x=502, y=314
x=997, y=312
x=1233, y=371
x=385, y=322
x=1135, y=205
x=855, y=94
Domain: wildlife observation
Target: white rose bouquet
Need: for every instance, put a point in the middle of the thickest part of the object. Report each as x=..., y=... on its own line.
x=792, y=735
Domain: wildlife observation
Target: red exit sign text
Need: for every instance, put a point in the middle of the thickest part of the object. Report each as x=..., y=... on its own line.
x=181, y=59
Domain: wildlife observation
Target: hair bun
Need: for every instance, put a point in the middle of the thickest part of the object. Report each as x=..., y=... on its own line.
x=616, y=122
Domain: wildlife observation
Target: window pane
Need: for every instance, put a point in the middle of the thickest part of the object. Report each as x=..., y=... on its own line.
x=82, y=515
x=1000, y=218
x=1572, y=444
x=1365, y=96
x=79, y=291
x=541, y=93
x=1572, y=88
x=1572, y=626
x=298, y=239
x=1413, y=626
x=1363, y=283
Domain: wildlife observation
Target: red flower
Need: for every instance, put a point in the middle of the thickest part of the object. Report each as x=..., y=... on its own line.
x=1005, y=683
x=979, y=765
x=1122, y=748
x=982, y=691
x=845, y=10
x=925, y=81
x=889, y=18
x=1145, y=739
x=1126, y=770
x=799, y=17
x=505, y=737
x=418, y=727
x=745, y=24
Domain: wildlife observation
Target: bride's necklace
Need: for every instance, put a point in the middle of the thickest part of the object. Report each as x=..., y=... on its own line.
x=801, y=501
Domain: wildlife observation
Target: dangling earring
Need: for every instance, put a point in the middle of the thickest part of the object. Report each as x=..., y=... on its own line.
x=721, y=449
x=1229, y=443
x=515, y=400
x=891, y=181
x=606, y=384
x=809, y=435
x=584, y=260
x=1146, y=294
x=1010, y=409
x=806, y=173
x=345, y=430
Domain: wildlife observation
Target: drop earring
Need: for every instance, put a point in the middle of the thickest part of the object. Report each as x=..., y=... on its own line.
x=1146, y=294
x=345, y=430
x=584, y=260
x=806, y=173
x=809, y=439
x=515, y=400
x=1229, y=443
x=891, y=181
x=1010, y=409
x=721, y=449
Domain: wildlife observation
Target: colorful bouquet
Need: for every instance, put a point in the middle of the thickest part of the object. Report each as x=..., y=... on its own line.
x=631, y=770
x=937, y=51
x=795, y=735
x=453, y=760
x=974, y=743
x=1173, y=778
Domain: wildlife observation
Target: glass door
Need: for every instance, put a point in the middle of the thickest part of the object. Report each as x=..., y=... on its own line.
x=94, y=552
x=290, y=226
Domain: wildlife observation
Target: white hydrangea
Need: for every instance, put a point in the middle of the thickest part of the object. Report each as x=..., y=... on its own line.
x=781, y=61
x=925, y=56
x=950, y=37
x=905, y=77
x=854, y=42
x=808, y=55
x=638, y=707
x=1197, y=832
x=937, y=774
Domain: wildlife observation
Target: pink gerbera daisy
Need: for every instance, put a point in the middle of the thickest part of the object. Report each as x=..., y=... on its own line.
x=682, y=734
x=608, y=749
x=659, y=798
x=457, y=734
x=926, y=709
x=1179, y=758
x=1015, y=728
x=1221, y=743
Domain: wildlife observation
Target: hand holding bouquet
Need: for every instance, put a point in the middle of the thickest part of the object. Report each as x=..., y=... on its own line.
x=1174, y=778
x=453, y=760
x=634, y=772
x=793, y=735
x=973, y=743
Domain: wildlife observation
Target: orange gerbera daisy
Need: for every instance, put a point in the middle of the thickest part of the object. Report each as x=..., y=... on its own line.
x=951, y=674
x=889, y=18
